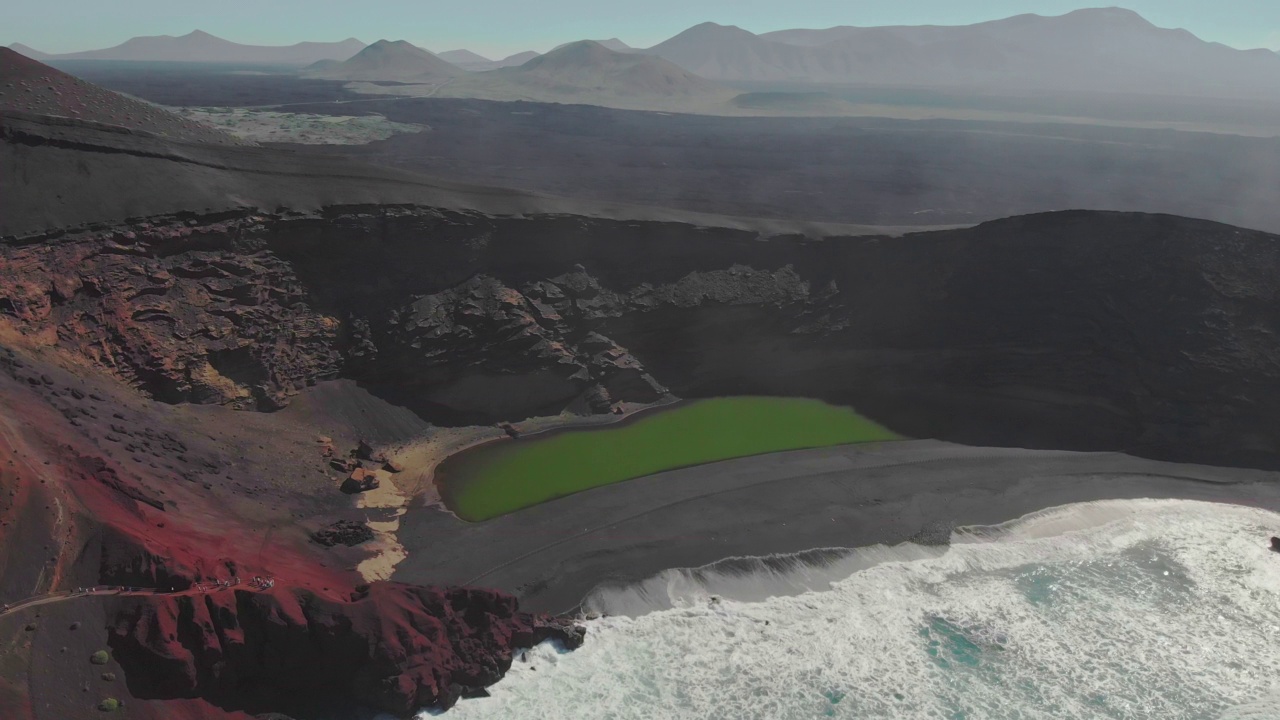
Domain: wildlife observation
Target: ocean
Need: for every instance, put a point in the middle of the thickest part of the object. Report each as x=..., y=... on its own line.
x=1160, y=609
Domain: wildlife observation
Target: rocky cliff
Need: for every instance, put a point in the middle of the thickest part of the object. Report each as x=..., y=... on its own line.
x=190, y=509
x=392, y=647
x=1153, y=334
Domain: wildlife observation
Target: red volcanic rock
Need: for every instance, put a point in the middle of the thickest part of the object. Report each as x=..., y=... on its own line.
x=360, y=481
x=392, y=647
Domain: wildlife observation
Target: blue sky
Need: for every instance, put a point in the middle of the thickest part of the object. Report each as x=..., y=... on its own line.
x=501, y=27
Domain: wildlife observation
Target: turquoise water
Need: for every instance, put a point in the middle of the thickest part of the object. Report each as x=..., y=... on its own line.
x=1166, y=610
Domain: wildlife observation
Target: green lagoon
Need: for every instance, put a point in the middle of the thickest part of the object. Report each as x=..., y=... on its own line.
x=505, y=476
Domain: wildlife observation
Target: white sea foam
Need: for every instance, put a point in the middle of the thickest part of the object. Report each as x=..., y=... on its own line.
x=1127, y=609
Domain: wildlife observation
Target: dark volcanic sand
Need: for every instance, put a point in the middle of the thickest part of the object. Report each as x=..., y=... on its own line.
x=552, y=555
x=859, y=170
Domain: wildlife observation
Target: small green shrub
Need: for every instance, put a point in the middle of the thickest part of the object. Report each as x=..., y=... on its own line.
x=109, y=705
x=99, y=658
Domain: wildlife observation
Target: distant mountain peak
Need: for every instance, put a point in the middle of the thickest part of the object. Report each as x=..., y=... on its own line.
x=615, y=45
x=710, y=32
x=28, y=51
x=581, y=48
x=384, y=43
x=587, y=66
x=712, y=27
x=1116, y=16
x=390, y=60
x=580, y=53
x=462, y=56
x=709, y=25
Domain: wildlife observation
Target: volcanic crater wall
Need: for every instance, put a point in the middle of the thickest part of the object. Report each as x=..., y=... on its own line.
x=1152, y=334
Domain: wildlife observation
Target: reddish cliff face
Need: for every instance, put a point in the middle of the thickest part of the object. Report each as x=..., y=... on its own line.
x=393, y=647
x=195, y=636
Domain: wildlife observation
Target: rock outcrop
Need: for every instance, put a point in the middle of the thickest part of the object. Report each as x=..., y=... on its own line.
x=343, y=532
x=488, y=350
x=184, y=312
x=392, y=647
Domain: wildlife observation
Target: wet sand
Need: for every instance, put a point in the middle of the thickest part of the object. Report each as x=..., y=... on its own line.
x=421, y=458
x=553, y=554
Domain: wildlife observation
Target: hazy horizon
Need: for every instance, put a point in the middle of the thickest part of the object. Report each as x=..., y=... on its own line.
x=499, y=28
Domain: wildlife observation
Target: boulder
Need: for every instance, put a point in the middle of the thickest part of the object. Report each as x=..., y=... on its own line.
x=343, y=532
x=360, y=480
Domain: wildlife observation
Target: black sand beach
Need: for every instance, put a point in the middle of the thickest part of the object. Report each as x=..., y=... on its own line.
x=552, y=555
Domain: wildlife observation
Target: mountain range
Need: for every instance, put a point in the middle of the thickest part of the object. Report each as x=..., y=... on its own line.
x=1104, y=50
x=199, y=46
x=1107, y=50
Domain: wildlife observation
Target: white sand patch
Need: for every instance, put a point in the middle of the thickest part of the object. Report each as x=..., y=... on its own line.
x=306, y=129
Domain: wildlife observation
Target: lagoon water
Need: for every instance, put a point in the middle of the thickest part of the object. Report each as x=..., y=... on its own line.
x=1156, y=609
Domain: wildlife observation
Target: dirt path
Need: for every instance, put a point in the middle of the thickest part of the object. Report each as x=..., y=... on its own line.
x=120, y=591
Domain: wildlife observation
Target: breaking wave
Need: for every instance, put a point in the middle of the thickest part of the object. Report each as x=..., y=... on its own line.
x=1163, y=609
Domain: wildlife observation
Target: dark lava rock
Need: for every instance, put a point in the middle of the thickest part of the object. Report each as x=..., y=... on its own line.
x=343, y=532
x=359, y=481
x=364, y=450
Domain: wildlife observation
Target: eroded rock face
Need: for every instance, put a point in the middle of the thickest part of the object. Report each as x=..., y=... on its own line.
x=489, y=350
x=393, y=647
x=186, y=313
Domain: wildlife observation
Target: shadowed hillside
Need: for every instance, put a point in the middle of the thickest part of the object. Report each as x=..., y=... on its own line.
x=34, y=89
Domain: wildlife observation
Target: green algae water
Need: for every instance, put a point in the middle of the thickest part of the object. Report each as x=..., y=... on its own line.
x=496, y=479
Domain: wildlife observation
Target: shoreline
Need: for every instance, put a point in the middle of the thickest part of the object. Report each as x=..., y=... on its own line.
x=416, y=485
x=553, y=555
x=541, y=427
x=460, y=456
